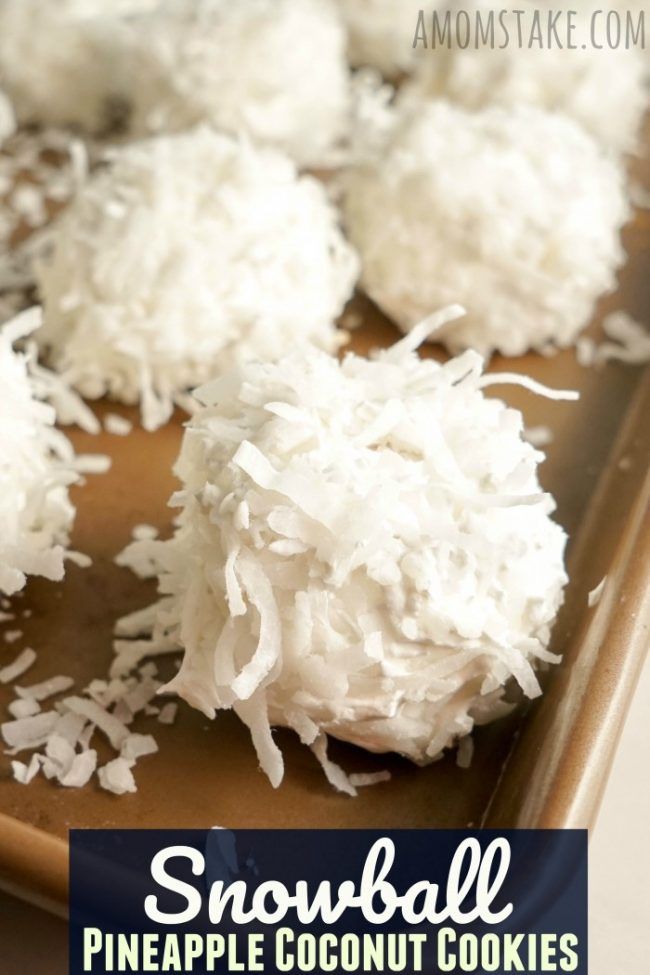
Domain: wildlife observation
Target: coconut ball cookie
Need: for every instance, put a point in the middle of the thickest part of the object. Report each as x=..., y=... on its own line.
x=465, y=206
x=602, y=90
x=36, y=468
x=363, y=550
x=272, y=68
x=185, y=255
x=58, y=59
x=381, y=33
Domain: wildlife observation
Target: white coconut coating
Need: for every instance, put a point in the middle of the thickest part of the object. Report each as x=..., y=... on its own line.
x=363, y=550
x=381, y=33
x=186, y=254
x=272, y=68
x=58, y=59
x=36, y=468
x=514, y=213
x=602, y=90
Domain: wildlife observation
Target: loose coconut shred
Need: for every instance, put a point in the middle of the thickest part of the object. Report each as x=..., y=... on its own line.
x=66, y=730
x=363, y=550
x=626, y=340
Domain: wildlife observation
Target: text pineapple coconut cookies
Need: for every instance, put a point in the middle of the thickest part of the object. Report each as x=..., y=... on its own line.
x=363, y=550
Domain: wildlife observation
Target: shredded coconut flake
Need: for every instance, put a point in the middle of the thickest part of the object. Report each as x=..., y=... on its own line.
x=26, y=773
x=21, y=664
x=137, y=746
x=115, y=730
x=129, y=654
x=465, y=752
x=93, y=463
x=59, y=756
x=168, y=713
x=334, y=774
x=629, y=341
x=594, y=597
x=23, y=708
x=47, y=688
x=586, y=351
x=70, y=726
x=362, y=780
x=141, y=621
x=117, y=425
x=81, y=770
x=539, y=437
x=79, y=558
x=29, y=732
x=117, y=777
